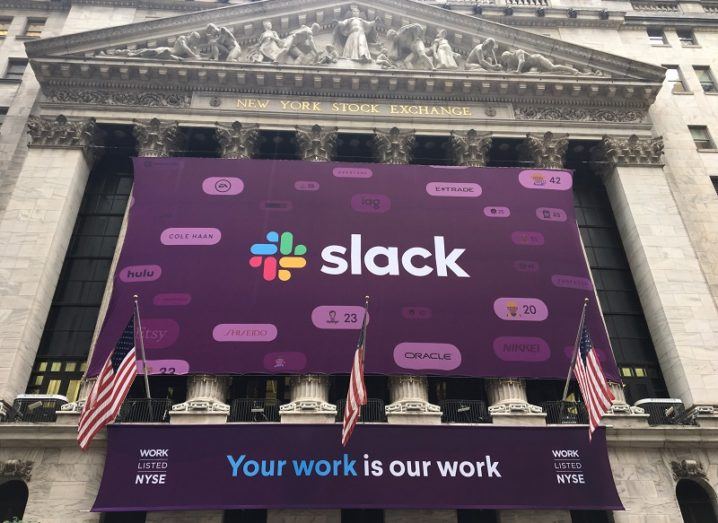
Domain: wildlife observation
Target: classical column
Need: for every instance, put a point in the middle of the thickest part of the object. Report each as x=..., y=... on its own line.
x=237, y=140
x=470, y=147
x=409, y=394
x=316, y=144
x=157, y=139
x=508, y=404
x=35, y=231
x=546, y=151
x=675, y=296
x=310, y=393
x=206, y=396
x=393, y=146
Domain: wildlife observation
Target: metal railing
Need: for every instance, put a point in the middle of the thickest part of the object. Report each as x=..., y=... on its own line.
x=657, y=6
x=254, y=409
x=35, y=408
x=143, y=410
x=372, y=412
x=565, y=412
x=464, y=411
x=665, y=411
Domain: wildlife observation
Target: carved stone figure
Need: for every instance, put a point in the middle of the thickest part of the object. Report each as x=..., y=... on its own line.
x=269, y=46
x=353, y=35
x=16, y=469
x=408, y=49
x=519, y=61
x=444, y=55
x=330, y=55
x=222, y=44
x=299, y=47
x=186, y=46
x=483, y=57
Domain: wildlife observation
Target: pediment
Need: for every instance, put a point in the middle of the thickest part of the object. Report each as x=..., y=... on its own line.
x=371, y=46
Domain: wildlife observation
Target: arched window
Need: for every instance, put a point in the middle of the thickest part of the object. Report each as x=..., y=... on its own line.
x=13, y=498
x=697, y=505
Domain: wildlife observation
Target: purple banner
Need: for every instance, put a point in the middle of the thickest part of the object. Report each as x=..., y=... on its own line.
x=251, y=266
x=304, y=466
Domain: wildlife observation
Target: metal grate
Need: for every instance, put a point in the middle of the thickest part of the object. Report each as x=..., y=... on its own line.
x=254, y=409
x=35, y=408
x=665, y=411
x=565, y=412
x=464, y=411
x=143, y=410
x=372, y=412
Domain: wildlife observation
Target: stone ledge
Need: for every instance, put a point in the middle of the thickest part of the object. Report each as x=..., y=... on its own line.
x=662, y=437
x=43, y=434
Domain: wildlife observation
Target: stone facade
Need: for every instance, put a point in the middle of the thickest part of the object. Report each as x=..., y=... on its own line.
x=432, y=68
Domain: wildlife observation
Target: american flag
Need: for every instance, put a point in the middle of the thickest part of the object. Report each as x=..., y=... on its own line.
x=356, y=395
x=114, y=381
x=597, y=395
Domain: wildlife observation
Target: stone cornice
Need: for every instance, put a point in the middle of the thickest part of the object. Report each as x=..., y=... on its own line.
x=246, y=18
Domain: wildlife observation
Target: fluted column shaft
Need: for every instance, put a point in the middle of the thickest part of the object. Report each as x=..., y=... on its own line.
x=59, y=158
x=310, y=393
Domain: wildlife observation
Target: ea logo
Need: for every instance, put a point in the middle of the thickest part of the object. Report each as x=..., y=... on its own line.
x=223, y=185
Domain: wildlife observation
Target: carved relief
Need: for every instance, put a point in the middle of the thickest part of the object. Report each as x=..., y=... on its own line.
x=631, y=151
x=16, y=469
x=548, y=150
x=579, y=114
x=687, y=469
x=393, y=146
x=355, y=42
x=316, y=144
x=470, y=148
x=156, y=139
x=236, y=140
x=121, y=98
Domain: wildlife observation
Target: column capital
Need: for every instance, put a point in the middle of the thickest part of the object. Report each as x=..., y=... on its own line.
x=470, y=147
x=630, y=150
x=393, y=146
x=548, y=150
x=236, y=140
x=410, y=401
x=59, y=132
x=309, y=401
x=156, y=139
x=316, y=144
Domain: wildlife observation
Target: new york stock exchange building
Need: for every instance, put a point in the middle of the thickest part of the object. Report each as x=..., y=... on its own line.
x=250, y=171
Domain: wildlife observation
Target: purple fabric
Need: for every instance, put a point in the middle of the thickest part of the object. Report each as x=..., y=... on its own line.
x=502, y=299
x=191, y=467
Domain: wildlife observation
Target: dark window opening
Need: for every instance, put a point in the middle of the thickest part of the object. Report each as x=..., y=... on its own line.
x=245, y=516
x=705, y=77
x=15, y=69
x=687, y=37
x=57, y=376
x=3, y=114
x=377, y=388
x=591, y=516
x=696, y=503
x=656, y=36
x=431, y=150
x=123, y=517
x=260, y=387
x=200, y=142
x=507, y=152
x=34, y=27
x=354, y=148
x=13, y=499
x=701, y=137
x=476, y=516
x=277, y=145
x=446, y=388
x=4, y=26
x=362, y=515
x=674, y=79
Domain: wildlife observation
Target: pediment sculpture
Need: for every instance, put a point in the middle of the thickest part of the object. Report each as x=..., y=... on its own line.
x=354, y=42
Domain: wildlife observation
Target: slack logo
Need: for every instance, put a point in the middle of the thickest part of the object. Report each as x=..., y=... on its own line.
x=292, y=256
x=387, y=261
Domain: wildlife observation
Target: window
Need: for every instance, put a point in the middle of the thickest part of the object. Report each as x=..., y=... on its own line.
x=705, y=78
x=714, y=179
x=700, y=136
x=656, y=36
x=362, y=515
x=4, y=26
x=34, y=27
x=675, y=79
x=686, y=37
x=57, y=376
x=15, y=69
x=3, y=114
x=13, y=498
x=695, y=502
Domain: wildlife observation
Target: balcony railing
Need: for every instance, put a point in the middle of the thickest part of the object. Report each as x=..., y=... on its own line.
x=143, y=410
x=464, y=411
x=251, y=409
x=35, y=408
x=372, y=412
x=565, y=412
x=665, y=411
x=656, y=6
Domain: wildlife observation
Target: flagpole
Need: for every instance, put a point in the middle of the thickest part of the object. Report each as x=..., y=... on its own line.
x=142, y=348
x=573, y=358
